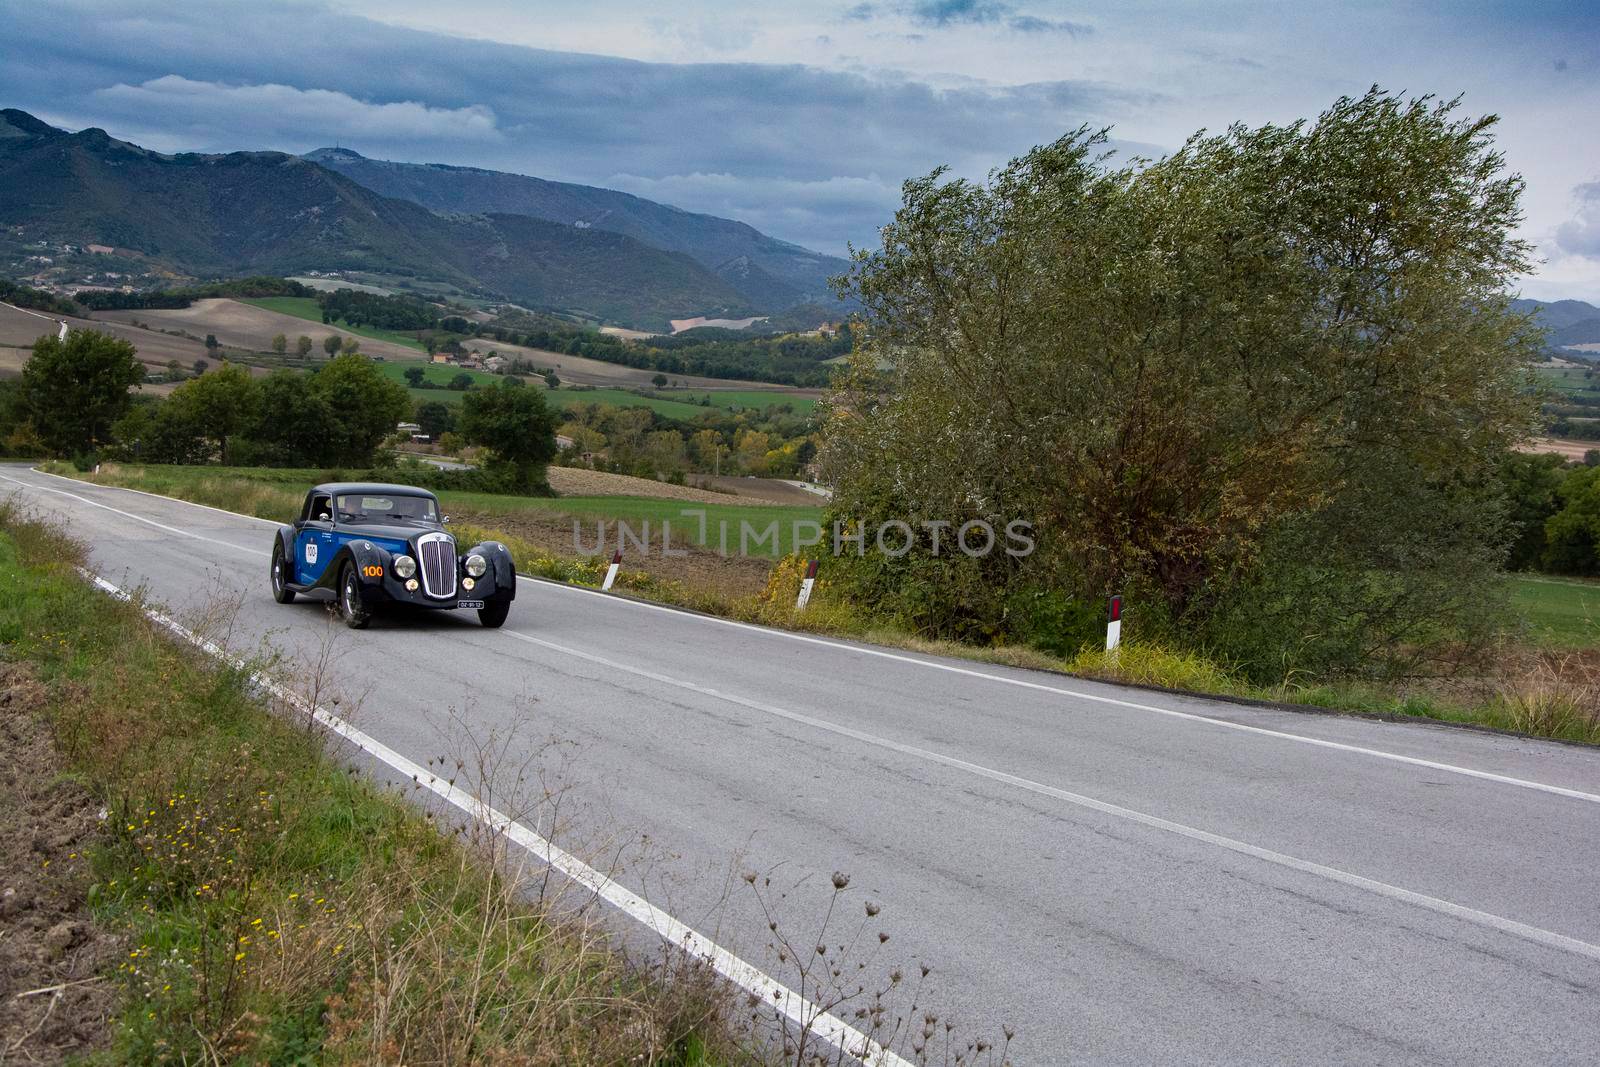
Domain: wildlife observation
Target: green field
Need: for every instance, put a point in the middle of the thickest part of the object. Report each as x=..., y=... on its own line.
x=622, y=398
x=305, y=307
x=727, y=400
x=1560, y=612
x=1571, y=381
x=757, y=399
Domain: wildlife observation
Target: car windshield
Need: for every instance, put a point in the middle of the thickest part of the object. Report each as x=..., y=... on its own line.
x=388, y=507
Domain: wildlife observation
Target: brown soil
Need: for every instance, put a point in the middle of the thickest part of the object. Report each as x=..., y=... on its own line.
x=155, y=349
x=246, y=326
x=1572, y=450
x=767, y=490
x=48, y=939
x=580, y=481
x=699, y=571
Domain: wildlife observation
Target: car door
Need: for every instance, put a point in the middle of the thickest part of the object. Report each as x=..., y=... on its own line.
x=314, y=541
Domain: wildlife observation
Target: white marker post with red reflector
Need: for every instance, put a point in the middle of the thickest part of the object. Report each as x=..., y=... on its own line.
x=1114, y=624
x=611, y=571
x=806, y=583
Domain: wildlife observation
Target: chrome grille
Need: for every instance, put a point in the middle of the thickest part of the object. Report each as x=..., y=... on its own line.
x=436, y=556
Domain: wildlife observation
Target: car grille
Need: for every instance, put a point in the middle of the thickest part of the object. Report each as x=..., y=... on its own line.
x=437, y=556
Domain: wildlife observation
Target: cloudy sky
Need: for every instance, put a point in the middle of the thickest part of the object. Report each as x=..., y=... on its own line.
x=799, y=117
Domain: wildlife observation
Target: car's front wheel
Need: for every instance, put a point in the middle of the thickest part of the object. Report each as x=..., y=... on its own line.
x=355, y=614
x=493, y=614
x=280, y=574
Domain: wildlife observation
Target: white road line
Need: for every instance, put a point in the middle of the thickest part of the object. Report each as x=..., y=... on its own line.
x=152, y=496
x=751, y=979
x=1076, y=694
x=138, y=518
x=1535, y=934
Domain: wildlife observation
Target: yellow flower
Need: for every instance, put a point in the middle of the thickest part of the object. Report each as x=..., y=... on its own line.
x=237, y=956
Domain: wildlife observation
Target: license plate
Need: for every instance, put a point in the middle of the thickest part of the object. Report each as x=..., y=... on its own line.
x=469, y=603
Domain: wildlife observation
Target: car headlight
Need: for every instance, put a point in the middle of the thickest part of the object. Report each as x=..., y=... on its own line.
x=404, y=566
x=476, y=565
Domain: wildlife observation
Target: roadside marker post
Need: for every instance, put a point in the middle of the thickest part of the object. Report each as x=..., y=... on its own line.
x=1114, y=624
x=805, y=584
x=611, y=571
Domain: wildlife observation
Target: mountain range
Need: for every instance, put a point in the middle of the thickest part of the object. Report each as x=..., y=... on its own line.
x=769, y=272
x=1569, y=322
x=544, y=245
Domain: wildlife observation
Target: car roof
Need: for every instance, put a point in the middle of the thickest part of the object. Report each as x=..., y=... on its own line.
x=336, y=488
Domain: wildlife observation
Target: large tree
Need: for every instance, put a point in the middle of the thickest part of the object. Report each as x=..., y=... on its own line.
x=73, y=389
x=512, y=421
x=219, y=406
x=1264, y=382
x=363, y=406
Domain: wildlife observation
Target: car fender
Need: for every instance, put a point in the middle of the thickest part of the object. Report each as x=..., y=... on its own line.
x=500, y=565
x=365, y=555
x=286, y=539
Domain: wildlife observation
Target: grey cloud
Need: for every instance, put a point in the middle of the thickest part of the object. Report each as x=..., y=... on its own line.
x=946, y=12
x=1032, y=24
x=1580, y=236
x=239, y=76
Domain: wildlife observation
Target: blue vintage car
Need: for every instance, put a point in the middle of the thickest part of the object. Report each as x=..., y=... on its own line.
x=370, y=545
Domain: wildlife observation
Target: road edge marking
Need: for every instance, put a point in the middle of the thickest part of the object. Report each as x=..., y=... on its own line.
x=1536, y=934
x=1340, y=746
x=677, y=933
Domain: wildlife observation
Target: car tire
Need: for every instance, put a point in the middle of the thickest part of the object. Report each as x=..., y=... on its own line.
x=280, y=574
x=493, y=614
x=351, y=609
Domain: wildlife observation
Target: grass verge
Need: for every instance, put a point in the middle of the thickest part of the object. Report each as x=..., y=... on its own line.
x=1548, y=690
x=275, y=908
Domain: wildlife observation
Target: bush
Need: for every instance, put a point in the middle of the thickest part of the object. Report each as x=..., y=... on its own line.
x=1146, y=664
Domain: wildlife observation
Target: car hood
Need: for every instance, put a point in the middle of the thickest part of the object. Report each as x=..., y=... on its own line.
x=377, y=532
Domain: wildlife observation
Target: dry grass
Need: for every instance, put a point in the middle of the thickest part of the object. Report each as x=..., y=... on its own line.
x=1556, y=696
x=276, y=907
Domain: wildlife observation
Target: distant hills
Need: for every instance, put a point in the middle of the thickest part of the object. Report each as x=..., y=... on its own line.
x=770, y=273
x=272, y=213
x=1569, y=322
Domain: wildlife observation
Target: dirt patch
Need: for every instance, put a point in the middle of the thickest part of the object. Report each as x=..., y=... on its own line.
x=155, y=349
x=246, y=326
x=1571, y=450
x=699, y=571
x=54, y=1004
x=766, y=490
x=580, y=481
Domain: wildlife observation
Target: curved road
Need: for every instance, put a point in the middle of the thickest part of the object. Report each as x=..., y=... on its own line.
x=1123, y=877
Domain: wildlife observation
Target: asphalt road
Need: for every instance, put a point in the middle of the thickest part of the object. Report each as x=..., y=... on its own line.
x=1120, y=876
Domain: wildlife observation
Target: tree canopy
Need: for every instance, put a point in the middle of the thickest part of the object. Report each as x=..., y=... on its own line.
x=74, y=389
x=514, y=424
x=1264, y=383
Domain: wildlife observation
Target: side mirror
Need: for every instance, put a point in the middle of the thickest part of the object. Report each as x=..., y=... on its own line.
x=324, y=517
x=444, y=520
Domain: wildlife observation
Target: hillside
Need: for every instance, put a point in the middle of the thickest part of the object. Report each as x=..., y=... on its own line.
x=1570, y=322
x=772, y=274
x=273, y=213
